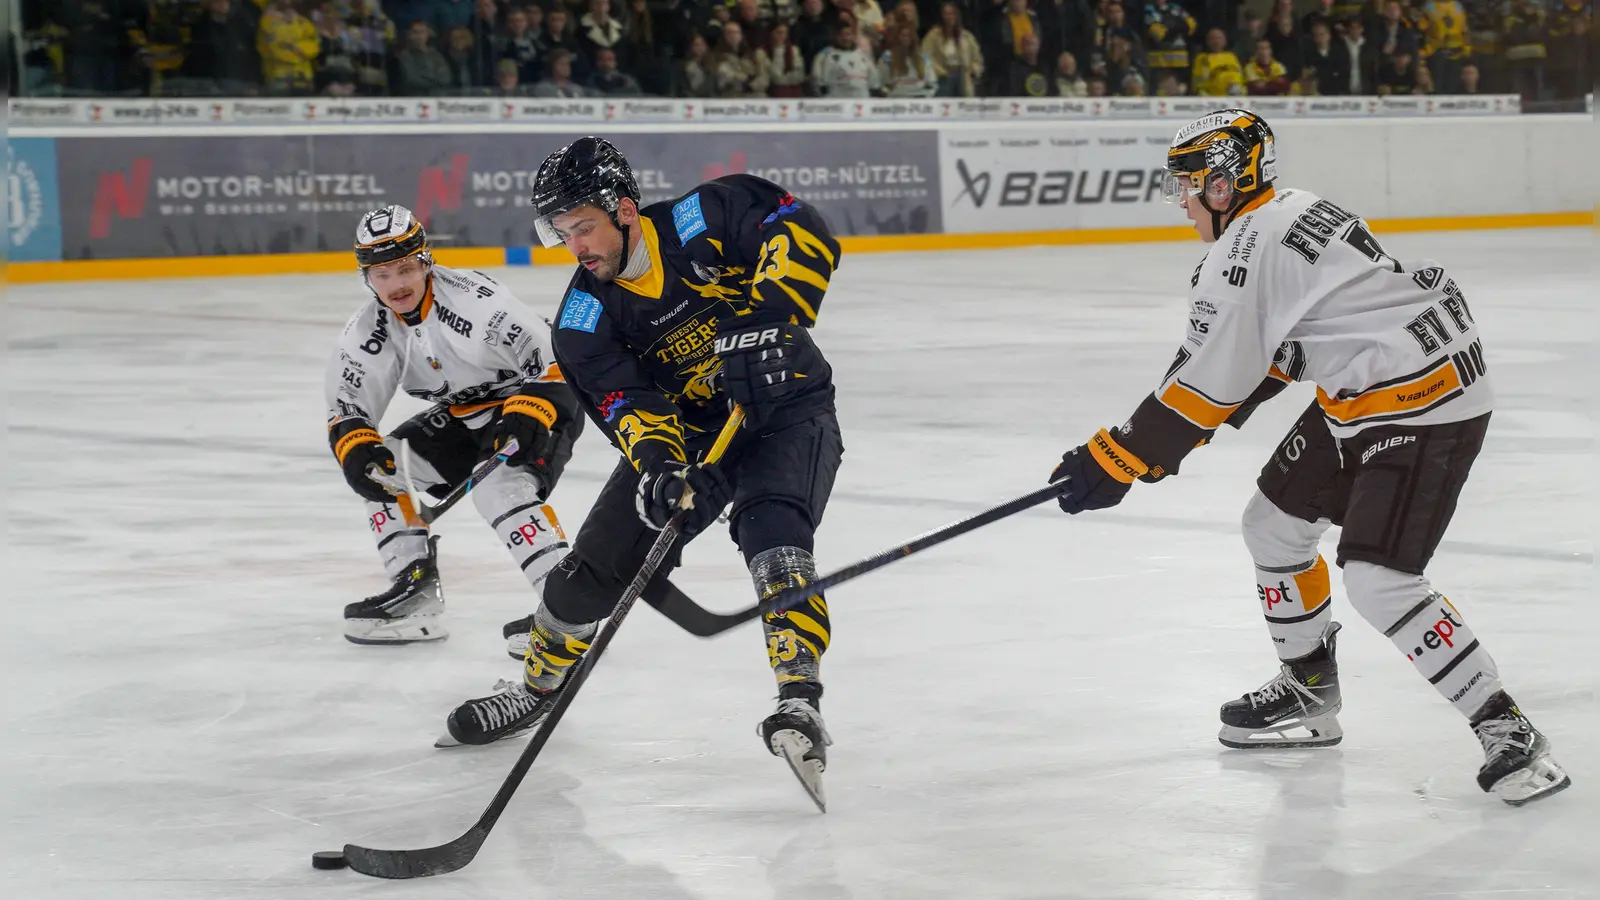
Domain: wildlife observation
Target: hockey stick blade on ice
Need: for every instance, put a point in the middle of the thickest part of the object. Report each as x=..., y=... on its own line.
x=702, y=622
x=459, y=852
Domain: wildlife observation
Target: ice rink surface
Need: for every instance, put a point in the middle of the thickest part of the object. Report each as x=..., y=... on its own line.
x=1029, y=712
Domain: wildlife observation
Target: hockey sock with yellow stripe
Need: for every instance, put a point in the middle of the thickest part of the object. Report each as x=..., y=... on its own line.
x=797, y=638
x=553, y=648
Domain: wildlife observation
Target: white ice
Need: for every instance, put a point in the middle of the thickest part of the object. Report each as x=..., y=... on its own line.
x=1029, y=712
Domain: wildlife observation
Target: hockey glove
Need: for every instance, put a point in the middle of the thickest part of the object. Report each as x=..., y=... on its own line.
x=359, y=450
x=529, y=419
x=661, y=489
x=1097, y=475
x=760, y=365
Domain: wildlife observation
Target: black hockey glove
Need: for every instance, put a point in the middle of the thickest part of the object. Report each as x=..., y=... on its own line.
x=1097, y=475
x=529, y=420
x=759, y=363
x=358, y=449
x=661, y=488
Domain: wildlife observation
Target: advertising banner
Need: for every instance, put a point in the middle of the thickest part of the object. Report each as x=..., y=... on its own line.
x=33, y=197
x=199, y=196
x=1046, y=179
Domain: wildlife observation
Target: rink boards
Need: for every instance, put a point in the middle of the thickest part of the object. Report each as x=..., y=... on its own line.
x=206, y=199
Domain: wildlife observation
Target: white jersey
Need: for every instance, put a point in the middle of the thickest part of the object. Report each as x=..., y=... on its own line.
x=473, y=346
x=1298, y=289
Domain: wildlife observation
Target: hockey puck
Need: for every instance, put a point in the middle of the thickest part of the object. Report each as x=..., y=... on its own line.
x=328, y=859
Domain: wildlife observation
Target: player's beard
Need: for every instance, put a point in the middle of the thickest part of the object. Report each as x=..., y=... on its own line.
x=610, y=266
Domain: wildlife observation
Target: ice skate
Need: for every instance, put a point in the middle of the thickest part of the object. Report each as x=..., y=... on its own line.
x=796, y=733
x=1297, y=708
x=410, y=611
x=511, y=711
x=516, y=635
x=1517, y=766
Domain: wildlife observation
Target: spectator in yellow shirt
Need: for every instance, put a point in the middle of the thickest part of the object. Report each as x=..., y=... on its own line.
x=1217, y=72
x=1263, y=75
x=1448, y=42
x=287, y=42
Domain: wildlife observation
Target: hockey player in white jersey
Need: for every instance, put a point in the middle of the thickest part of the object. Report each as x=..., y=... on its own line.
x=462, y=342
x=1295, y=288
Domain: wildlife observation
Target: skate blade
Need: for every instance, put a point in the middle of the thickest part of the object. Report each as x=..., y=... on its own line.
x=371, y=632
x=1323, y=731
x=447, y=742
x=1542, y=778
x=793, y=747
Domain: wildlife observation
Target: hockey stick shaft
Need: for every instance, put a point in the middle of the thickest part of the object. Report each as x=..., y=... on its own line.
x=697, y=620
x=459, y=852
x=431, y=513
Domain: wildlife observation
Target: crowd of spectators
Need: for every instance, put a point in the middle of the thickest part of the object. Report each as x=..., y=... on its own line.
x=796, y=48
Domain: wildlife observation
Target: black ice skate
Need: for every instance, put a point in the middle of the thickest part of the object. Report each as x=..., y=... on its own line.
x=516, y=635
x=512, y=710
x=1517, y=766
x=1298, y=708
x=409, y=612
x=796, y=733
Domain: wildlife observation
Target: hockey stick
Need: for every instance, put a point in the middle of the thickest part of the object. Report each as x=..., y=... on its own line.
x=702, y=622
x=430, y=514
x=459, y=852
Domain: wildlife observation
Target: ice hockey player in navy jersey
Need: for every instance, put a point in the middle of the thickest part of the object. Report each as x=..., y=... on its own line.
x=677, y=312
x=1294, y=288
x=461, y=342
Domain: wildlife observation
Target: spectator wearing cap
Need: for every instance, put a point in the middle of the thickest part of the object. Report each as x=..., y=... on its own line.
x=954, y=52
x=288, y=44
x=421, y=70
x=558, y=81
x=607, y=81
x=222, y=45
x=508, y=80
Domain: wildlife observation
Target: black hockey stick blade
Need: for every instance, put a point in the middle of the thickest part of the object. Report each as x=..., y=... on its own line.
x=681, y=610
x=702, y=622
x=457, y=853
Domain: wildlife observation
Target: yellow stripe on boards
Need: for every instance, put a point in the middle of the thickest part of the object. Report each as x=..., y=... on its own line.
x=480, y=257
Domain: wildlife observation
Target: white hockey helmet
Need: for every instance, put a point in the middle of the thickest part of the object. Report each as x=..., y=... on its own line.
x=388, y=234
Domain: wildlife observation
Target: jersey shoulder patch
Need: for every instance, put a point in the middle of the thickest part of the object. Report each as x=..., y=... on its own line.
x=580, y=312
x=688, y=219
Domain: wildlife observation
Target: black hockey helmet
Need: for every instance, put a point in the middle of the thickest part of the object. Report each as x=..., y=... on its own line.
x=1227, y=158
x=590, y=171
x=389, y=234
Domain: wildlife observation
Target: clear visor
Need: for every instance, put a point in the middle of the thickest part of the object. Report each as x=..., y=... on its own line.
x=556, y=225
x=1217, y=187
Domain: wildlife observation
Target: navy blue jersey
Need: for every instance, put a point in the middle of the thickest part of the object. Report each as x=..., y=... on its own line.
x=734, y=252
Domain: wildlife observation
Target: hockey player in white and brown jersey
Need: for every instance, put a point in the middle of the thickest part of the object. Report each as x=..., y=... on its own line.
x=461, y=342
x=1295, y=288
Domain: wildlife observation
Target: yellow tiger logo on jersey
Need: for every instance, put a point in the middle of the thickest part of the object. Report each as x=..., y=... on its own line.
x=639, y=426
x=700, y=378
